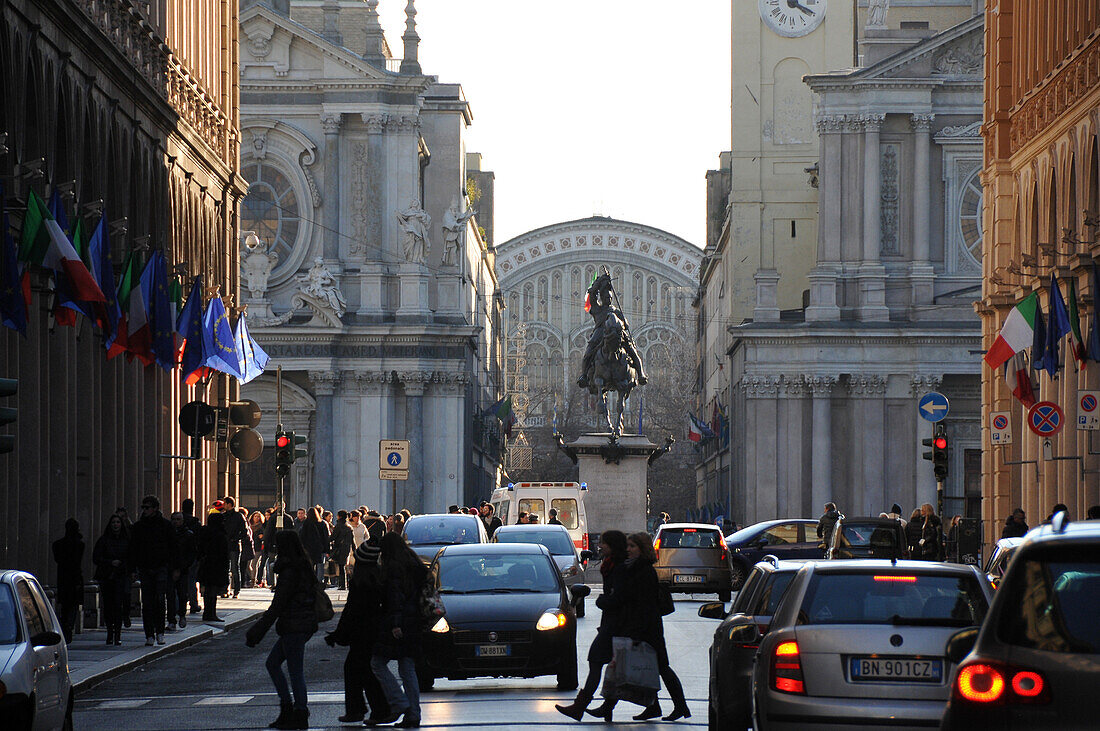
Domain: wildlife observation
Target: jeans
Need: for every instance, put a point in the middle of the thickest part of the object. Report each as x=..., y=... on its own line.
x=290, y=648
x=409, y=700
x=110, y=597
x=269, y=569
x=177, y=596
x=261, y=570
x=360, y=680
x=235, y=569
x=154, y=592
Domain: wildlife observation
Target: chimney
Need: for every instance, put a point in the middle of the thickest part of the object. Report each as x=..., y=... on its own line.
x=373, y=53
x=330, y=11
x=410, y=64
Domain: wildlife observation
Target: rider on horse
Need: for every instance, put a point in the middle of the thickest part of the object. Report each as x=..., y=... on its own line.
x=600, y=305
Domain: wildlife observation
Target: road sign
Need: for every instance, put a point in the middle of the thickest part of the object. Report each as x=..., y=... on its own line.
x=245, y=413
x=1000, y=428
x=197, y=419
x=393, y=454
x=1046, y=418
x=246, y=445
x=393, y=474
x=933, y=406
x=1088, y=413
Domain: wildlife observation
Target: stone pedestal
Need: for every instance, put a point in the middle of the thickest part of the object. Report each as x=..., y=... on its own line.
x=258, y=308
x=414, y=293
x=372, y=281
x=449, y=300
x=617, y=478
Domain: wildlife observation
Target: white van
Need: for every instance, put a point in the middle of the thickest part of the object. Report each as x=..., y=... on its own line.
x=539, y=497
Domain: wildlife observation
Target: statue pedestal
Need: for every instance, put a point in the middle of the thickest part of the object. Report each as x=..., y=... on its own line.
x=258, y=308
x=449, y=300
x=371, y=294
x=617, y=478
x=414, y=293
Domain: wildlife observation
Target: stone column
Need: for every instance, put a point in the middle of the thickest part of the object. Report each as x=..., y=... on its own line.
x=377, y=251
x=823, y=303
x=872, y=275
x=324, y=476
x=330, y=124
x=821, y=460
x=869, y=489
x=377, y=423
x=411, y=495
x=921, y=272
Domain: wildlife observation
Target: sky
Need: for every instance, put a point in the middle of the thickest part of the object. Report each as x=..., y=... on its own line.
x=582, y=107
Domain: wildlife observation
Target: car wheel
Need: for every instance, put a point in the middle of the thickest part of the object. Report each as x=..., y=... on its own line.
x=737, y=577
x=567, y=671
x=580, y=608
x=725, y=596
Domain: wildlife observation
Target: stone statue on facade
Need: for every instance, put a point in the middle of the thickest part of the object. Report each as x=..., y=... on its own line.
x=876, y=13
x=454, y=229
x=415, y=223
x=258, y=260
x=320, y=284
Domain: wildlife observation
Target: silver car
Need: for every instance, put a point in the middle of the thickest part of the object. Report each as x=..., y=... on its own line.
x=557, y=540
x=860, y=644
x=35, y=691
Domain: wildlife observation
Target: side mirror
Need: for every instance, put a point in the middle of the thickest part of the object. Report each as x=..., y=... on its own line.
x=43, y=639
x=579, y=591
x=713, y=610
x=960, y=644
x=745, y=634
x=586, y=555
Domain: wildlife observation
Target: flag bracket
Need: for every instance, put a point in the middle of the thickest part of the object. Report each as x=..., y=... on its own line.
x=188, y=458
x=1048, y=456
x=31, y=170
x=1006, y=462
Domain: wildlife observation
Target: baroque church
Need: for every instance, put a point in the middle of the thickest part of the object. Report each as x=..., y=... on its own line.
x=366, y=260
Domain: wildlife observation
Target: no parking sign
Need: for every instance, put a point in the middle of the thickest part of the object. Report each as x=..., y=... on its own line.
x=1088, y=413
x=1000, y=428
x=1046, y=418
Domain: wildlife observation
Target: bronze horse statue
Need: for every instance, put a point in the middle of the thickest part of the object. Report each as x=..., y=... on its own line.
x=612, y=370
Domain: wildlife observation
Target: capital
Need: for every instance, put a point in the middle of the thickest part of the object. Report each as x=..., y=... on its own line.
x=921, y=122
x=330, y=123
x=376, y=123
x=872, y=122
x=324, y=382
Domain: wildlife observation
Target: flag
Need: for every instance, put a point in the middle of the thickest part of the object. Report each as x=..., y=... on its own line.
x=1057, y=328
x=1017, y=332
x=723, y=424
x=1018, y=378
x=1077, y=343
x=106, y=314
x=132, y=334
x=189, y=325
x=491, y=410
x=715, y=421
x=506, y=415
x=35, y=239
x=1039, y=339
x=13, y=308
x=253, y=358
x=694, y=434
x=219, y=350
x=175, y=299
x=66, y=263
x=705, y=431
x=1094, y=330
x=162, y=326
x=66, y=307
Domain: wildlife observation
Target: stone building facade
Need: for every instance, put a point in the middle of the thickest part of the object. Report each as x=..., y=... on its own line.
x=1041, y=177
x=369, y=280
x=128, y=108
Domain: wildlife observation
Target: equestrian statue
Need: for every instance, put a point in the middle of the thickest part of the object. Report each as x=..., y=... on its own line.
x=611, y=361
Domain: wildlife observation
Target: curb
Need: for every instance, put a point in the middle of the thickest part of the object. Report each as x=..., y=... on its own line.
x=160, y=651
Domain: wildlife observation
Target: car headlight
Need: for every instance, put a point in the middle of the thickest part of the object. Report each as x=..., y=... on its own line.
x=441, y=626
x=550, y=620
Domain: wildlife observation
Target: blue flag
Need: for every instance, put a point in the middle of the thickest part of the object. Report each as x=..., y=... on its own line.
x=219, y=349
x=13, y=308
x=1038, y=337
x=154, y=289
x=190, y=325
x=107, y=314
x=253, y=358
x=1094, y=331
x=1058, y=327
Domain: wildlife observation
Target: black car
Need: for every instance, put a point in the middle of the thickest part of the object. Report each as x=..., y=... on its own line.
x=737, y=638
x=426, y=534
x=784, y=539
x=508, y=615
x=868, y=538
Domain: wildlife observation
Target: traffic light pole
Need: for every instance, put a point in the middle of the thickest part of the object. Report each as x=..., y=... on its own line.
x=279, y=495
x=939, y=499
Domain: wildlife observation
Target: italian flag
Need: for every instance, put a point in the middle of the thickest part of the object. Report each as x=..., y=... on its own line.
x=1016, y=334
x=1018, y=378
x=694, y=433
x=45, y=244
x=1077, y=343
x=133, y=329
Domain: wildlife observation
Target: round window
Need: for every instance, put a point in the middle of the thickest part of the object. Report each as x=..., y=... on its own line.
x=270, y=208
x=970, y=217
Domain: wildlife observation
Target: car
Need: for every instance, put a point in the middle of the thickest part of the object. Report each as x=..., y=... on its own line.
x=784, y=539
x=1035, y=661
x=508, y=614
x=567, y=498
x=868, y=538
x=428, y=533
x=557, y=540
x=998, y=561
x=692, y=558
x=859, y=644
x=736, y=639
x=35, y=689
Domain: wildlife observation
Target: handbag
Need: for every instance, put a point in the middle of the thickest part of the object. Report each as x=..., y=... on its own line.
x=664, y=600
x=632, y=675
x=322, y=605
x=430, y=603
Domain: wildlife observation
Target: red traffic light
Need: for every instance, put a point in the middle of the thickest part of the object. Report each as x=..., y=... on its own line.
x=282, y=441
x=940, y=443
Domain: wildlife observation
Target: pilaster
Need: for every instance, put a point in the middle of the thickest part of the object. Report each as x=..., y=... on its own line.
x=330, y=125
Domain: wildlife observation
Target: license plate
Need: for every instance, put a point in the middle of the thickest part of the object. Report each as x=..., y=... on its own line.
x=687, y=579
x=494, y=650
x=907, y=669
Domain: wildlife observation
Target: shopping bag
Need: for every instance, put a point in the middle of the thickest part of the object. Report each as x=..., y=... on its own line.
x=632, y=674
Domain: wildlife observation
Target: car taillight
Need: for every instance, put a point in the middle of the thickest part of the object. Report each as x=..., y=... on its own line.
x=657, y=547
x=584, y=542
x=993, y=683
x=722, y=543
x=787, y=668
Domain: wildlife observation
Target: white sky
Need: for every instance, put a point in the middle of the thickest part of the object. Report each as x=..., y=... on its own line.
x=582, y=107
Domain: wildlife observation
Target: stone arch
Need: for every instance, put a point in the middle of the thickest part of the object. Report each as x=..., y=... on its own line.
x=792, y=102
x=298, y=405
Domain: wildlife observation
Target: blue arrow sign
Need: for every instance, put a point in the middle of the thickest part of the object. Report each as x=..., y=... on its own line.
x=933, y=406
x=393, y=459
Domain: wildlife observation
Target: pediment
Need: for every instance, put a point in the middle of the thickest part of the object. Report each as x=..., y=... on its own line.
x=955, y=53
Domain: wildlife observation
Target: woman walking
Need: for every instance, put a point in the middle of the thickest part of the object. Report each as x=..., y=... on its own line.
x=295, y=619
x=403, y=574
x=213, y=545
x=256, y=538
x=109, y=556
x=315, y=538
x=613, y=569
x=68, y=552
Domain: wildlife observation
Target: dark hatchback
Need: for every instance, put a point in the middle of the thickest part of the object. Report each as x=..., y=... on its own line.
x=508, y=615
x=427, y=534
x=784, y=539
x=868, y=538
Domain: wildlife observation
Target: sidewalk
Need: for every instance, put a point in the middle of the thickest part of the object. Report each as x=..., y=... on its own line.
x=91, y=660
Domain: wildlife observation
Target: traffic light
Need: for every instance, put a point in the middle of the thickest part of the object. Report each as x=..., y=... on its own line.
x=284, y=452
x=8, y=387
x=939, y=454
x=295, y=441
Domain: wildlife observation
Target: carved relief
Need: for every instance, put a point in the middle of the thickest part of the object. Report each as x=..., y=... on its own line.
x=259, y=41
x=867, y=385
x=959, y=59
x=259, y=143
x=324, y=382
x=358, y=199
x=820, y=386
x=888, y=207
x=920, y=384
x=305, y=160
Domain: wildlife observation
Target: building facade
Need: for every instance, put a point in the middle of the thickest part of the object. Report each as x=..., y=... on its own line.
x=1041, y=178
x=129, y=110
x=370, y=280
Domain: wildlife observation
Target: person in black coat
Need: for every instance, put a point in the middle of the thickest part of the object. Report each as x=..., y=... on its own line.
x=613, y=568
x=826, y=523
x=110, y=557
x=295, y=619
x=187, y=553
x=187, y=507
x=358, y=630
x=342, y=541
x=929, y=546
x=236, y=532
x=68, y=552
x=153, y=554
x=1015, y=525
x=315, y=538
x=271, y=527
x=213, y=556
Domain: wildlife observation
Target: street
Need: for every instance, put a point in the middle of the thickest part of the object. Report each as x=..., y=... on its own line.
x=221, y=684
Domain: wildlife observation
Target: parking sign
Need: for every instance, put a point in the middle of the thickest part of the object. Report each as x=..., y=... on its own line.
x=1000, y=428
x=1088, y=413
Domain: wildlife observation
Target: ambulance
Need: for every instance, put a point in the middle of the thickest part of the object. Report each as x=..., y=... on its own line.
x=539, y=497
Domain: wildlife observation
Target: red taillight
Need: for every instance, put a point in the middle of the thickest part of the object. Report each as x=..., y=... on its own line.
x=993, y=683
x=1028, y=684
x=657, y=547
x=787, y=668
x=722, y=543
x=584, y=542
x=899, y=579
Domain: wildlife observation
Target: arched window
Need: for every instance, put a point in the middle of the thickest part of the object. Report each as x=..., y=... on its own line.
x=270, y=208
x=543, y=300
x=970, y=216
x=528, y=301
x=555, y=300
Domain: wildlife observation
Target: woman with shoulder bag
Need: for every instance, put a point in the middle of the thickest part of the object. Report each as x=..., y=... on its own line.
x=293, y=612
x=930, y=542
x=109, y=556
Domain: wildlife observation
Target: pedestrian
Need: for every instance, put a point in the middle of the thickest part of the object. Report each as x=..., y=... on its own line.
x=187, y=554
x=68, y=552
x=1059, y=508
x=236, y=532
x=638, y=599
x=299, y=518
x=187, y=507
x=403, y=575
x=452, y=509
x=271, y=528
x=552, y=518
x=124, y=516
x=930, y=543
x=895, y=513
x=358, y=630
x=295, y=619
x=612, y=568
x=213, y=558
x=398, y=523
x=256, y=531
x=153, y=554
x=491, y=521
x=532, y=518
x=342, y=541
x=826, y=523
x=315, y=538
x=110, y=555
x=1093, y=513
x=521, y=519
x=913, y=533
x=358, y=529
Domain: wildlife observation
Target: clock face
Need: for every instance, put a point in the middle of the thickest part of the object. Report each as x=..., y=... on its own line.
x=792, y=18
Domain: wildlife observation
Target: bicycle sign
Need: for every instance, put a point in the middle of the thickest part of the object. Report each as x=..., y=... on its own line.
x=1046, y=418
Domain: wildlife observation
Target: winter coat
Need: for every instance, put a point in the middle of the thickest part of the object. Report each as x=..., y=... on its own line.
x=107, y=549
x=69, y=553
x=247, y=551
x=401, y=608
x=361, y=619
x=292, y=607
x=614, y=577
x=635, y=597
x=912, y=537
x=825, y=525
x=213, y=547
x=236, y=529
x=270, y=529
x=315, y=539
x=929, y=532
x=187, y=548
x=257, y=538
x=342, y=540
x=153, y=543
x=1013, y=529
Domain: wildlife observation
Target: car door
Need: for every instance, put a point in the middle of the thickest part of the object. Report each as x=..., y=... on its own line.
x=46, y=657
x=809, y=545
x=782, y=540
x=61, y=654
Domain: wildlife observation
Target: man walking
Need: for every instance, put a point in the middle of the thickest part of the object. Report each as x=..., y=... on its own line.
x=1015, y=525
x=236, y=532
x=193, y=524
x=153, y=553
x=553, y=517
x=184, y=567
x=491, y=521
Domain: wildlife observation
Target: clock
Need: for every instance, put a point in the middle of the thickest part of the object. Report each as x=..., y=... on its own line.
x=792, y=18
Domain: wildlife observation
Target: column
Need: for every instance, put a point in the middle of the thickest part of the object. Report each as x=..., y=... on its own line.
x=869, y=490
x=821, y=488
x=330, y=124
x=872, y=275
x=324, y=476
x=377, y=249
x=823, y=303
x=376, y=424
x=411, y=494
x=921, y=272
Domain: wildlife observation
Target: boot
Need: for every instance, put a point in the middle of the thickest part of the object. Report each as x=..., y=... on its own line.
x=575, y=710
x=297, y=718
x=604, y=710
x=284, y=712
x=110, y=636
x=651, y=711
x=678, y=712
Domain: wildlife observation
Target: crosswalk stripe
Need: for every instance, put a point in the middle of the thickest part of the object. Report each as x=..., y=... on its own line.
x=124, y=703
x=225, y=700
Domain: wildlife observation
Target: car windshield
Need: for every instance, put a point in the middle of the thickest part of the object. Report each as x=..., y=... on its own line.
x=871, y=535
x=1052, y=601
x=446, y=531
x=497, y=574
x=557, y=542
x=9, y=618
x=892, y=597
x=689, y=538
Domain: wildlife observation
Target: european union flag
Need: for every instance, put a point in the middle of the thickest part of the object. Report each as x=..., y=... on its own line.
x=154, y=288
x=219, y=348
x=107, y=314
x=253, y=358
x=190, y=325
x=13, y=308
x=1058, y=327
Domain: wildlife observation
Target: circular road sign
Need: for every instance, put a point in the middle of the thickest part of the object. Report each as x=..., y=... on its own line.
x=197, y=419
x=1046, y=418
x=1088, y=403
x=393, y=460
x=1000, y=422
x=246, y=445
x=245, y=413
x=933, y=406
